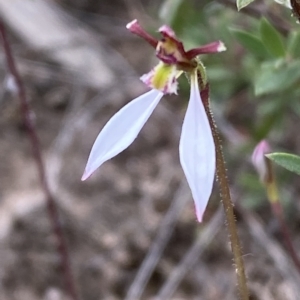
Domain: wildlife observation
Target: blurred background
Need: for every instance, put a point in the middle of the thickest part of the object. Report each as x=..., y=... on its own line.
x=131, y=230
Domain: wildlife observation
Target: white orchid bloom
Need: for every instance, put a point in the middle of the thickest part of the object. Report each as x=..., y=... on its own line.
x=197, y=149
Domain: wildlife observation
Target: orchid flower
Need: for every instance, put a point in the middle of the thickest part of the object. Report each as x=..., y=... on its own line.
x=196, y=149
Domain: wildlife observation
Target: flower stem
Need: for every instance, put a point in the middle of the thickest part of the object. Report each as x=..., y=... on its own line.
x=225, y=195
x=274, y=200
x=52, y=210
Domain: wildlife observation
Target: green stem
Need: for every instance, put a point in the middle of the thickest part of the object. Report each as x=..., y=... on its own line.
x=225, y=195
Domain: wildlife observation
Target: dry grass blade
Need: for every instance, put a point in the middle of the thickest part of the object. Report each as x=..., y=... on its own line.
x=45, y=27
x=204, y=239
x=159, y=244
x=274, y=250
x=76, y=119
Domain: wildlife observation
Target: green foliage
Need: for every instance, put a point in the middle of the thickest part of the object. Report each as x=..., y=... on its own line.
x=250, y=42
x=294, y=44
x=289, y=161
x=276, y=76
x=271, y=38
x=277, y=68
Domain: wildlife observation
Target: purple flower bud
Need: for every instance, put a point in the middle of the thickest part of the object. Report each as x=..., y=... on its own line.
x=260, y=162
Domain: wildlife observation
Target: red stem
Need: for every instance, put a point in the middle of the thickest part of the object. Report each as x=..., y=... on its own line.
x=277, y=211
x=53, y=213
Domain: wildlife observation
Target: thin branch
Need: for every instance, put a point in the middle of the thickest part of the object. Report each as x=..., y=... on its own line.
x=37, y=155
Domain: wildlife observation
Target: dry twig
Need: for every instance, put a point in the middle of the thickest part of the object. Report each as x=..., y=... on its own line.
x=51, y=205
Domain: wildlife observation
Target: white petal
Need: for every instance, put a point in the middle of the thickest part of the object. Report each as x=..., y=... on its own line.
x=197, y=150
x=121, y=130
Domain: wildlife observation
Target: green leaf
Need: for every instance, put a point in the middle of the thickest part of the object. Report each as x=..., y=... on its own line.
x=289, y=161
x=242, y=3
x=271, y=39
x=270, y=117
x=252, y=43
x=293, y=47
x=276, y=77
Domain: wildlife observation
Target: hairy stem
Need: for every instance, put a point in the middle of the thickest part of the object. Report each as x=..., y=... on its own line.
x=226, y=198
x=37, y=155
